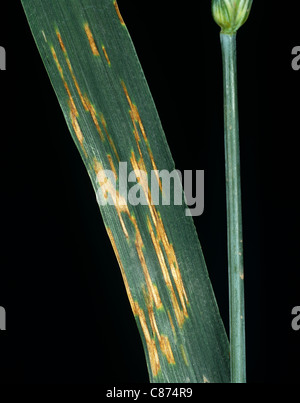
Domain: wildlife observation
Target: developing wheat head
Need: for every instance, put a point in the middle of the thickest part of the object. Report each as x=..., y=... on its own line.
x=230, y=15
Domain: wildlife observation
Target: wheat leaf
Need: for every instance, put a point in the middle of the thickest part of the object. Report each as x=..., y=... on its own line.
x=110, y=113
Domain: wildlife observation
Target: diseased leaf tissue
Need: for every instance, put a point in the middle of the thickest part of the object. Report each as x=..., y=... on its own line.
x=110, y=113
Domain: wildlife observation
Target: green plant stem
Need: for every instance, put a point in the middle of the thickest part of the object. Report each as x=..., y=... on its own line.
x=234, y=211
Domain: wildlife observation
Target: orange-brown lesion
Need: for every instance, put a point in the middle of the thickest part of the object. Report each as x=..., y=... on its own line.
x=73, y=110
x=63, y=48
x=151, y=296
x=169, y=250
x=151, y=345
x=136, y=118
x=93, y=114
x=60, y=41
x=108, y=188
x=151, y=293
x=112, y=165
x=91, y=40
x=173, y=264
x=122, y=208
x=159, y=239
x=88, y=106
x=163, y=340
x=119, y=13
x=139, y=245
x=137, y=311
x=75, y=124
x=180, y=312
x=106, y=55
x=140, y=168
x=110, y=140
x=57, y=62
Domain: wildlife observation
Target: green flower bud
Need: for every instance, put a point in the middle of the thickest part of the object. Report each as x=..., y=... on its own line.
x=230, y=15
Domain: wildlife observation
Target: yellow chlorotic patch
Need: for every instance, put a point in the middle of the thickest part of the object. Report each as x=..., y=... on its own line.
x=183, y=353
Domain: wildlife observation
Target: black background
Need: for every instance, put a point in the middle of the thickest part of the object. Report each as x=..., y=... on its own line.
x=68, y=318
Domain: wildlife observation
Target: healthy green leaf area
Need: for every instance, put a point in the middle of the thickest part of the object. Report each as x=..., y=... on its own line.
x=110, y=113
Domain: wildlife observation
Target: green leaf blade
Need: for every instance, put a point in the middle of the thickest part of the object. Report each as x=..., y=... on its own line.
x=110, y=113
